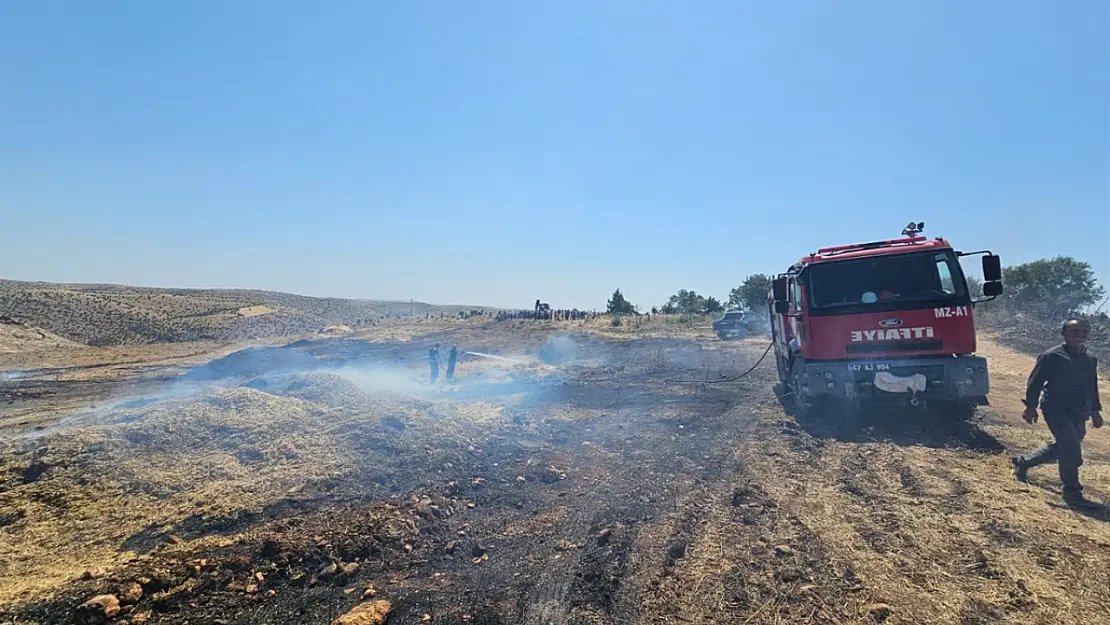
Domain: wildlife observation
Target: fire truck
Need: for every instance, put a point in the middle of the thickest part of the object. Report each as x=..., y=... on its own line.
x=881, y=323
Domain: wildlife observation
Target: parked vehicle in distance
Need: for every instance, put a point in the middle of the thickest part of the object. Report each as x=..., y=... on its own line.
x=736, y=324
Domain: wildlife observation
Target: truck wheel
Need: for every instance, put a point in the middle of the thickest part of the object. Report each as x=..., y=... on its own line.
x=781, y=370
x=801, y=408
x=799, y=402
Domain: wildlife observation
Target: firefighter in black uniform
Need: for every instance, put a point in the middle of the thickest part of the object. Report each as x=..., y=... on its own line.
x=1068, y=376
x=452, y=357
x=433, y=362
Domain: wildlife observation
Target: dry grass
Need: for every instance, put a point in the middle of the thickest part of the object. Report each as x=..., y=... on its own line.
x=102, y=486
x=721, y=509
x=255, y=311
x=18, y=338
x=211, y=457
x=883, y=533
x=102, y=315
x=657, y=361
x=880, y=530
x=952, y=542
x=1034, y=331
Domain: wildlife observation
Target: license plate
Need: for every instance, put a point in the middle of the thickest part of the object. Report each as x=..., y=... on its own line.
x=868, y=366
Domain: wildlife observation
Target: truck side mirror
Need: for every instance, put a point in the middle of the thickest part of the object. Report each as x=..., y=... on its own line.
x=992, y=268
x=782, y=306
x=992, y=289
x=778, y=289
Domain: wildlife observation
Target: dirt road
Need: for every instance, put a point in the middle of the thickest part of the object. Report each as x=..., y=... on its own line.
x=631, y=480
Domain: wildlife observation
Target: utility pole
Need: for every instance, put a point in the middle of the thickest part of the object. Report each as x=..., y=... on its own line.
x=412, y=305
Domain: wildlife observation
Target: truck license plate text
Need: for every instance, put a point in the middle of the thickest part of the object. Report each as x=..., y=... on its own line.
x=869, y=366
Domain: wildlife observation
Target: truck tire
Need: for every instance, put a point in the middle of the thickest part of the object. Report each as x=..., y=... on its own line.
x=780, y=368
x=799, y=402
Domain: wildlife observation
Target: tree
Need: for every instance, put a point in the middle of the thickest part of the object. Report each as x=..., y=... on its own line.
x=752, y=294
x=685, y=302
x=974, y=287
x=713, y=305
x=1051, y=286
x=617, y=305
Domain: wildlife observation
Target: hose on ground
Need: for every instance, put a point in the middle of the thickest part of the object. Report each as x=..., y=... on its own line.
x=746, y=373
x=730, y=379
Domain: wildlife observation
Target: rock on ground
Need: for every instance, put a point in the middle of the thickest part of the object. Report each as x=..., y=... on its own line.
x=368, y=613
x=99, y=609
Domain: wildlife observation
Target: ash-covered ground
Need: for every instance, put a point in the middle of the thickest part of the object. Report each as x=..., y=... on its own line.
x=573, y=477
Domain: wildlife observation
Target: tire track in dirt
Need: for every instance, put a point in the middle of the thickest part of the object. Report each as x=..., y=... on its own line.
x=565, y=553
x=893, y=522
x=930, y=528
x=746, y=555
x=913, y=522
x=654, y=452
x=549, y=604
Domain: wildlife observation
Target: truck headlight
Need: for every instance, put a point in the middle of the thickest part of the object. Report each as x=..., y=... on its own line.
x=970, y=371
x=828, y=375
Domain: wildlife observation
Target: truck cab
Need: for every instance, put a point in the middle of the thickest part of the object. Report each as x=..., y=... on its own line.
x=887, y=322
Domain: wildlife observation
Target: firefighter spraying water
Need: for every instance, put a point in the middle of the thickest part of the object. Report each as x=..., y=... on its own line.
x=886, y=322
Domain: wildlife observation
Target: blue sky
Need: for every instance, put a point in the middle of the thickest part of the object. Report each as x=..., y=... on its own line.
x=493, y=152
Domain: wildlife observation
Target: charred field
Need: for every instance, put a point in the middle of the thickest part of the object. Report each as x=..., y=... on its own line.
x=594, y=476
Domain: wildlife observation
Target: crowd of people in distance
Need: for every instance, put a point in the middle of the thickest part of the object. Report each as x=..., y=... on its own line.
x=572, y=314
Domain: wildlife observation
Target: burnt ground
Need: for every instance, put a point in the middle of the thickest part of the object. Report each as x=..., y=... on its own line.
x=632, y=481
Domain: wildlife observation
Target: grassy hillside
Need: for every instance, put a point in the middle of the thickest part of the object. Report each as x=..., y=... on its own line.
x=103, y=314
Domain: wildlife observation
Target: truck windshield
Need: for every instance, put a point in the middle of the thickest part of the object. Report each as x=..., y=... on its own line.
x=899, y=278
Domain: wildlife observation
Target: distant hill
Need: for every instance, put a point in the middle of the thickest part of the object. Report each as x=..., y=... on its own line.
x=109, y=314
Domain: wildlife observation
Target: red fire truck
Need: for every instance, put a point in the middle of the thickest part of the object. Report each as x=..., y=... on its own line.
x=887, y=322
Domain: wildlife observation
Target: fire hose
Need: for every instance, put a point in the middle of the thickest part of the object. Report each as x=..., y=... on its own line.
x=443, y=367
x=750, y=369
x=730, y=379
x=721, y=381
